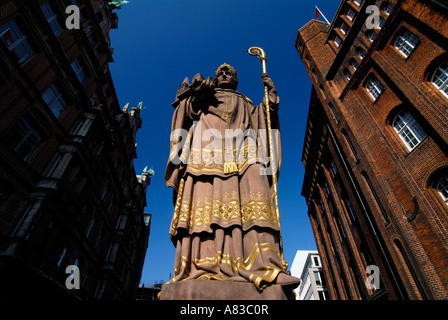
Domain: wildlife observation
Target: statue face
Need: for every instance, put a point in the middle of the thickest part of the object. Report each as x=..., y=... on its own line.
x=225, y=79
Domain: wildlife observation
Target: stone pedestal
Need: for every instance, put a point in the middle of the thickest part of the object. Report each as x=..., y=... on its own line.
x=223, y=290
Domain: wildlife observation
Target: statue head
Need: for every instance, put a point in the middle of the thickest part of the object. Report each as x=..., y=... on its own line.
x=226, y=77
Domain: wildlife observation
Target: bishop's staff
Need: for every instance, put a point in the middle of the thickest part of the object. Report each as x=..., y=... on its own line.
x=256, y=51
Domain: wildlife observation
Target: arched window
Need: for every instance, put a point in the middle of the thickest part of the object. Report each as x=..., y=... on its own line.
x=387, y=7
x=354, y=64
x=360, y=52
x=408, y=129
x=347, y=74
x=371, y=35
x=442, y=188
x=440, y=78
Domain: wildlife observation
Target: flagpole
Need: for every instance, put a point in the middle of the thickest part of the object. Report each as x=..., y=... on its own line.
x=322, y=15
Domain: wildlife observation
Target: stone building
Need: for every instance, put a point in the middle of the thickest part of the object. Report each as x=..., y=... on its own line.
x=71, y=204
x=375, y=150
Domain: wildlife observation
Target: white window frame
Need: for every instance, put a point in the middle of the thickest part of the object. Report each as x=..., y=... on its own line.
x=347, y=74
x=337, y=41
x=374, y=87
x=371, y=35
x=387, y=7
x=440, y=78
x=79, y=70
x=28, y=136
x=350, y=14
x=354, y=64
x=361, y=52
x=51, y=17
x=406, y=42
x=17, y=41
x=54, y=100
x=409, y=130
x=442, y=189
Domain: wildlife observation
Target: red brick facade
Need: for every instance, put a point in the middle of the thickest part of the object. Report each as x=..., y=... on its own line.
x=376, y=151
x=69, y=194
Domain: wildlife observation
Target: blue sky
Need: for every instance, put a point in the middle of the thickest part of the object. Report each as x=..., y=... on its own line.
x=160, y=42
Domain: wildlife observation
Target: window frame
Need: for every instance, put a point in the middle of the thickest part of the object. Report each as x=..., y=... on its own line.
x=408, y=130
x=339, y=42
x=441, y=192
x=443, y=78
x=79, y=70
x=51, y=17
x=374, y=87
x=56, y=103
x=29, y=135
x=20, y=41
x=403, y=43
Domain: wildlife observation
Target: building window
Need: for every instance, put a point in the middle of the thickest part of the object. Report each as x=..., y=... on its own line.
x=351, y=14
x=25, y=139
x=354, y=64
x=76, y=66
x=53, y=99
x=350, y=144
x=333, y=167
x=112, y=252
x=54, y=165
x=357, y=2
x=440, y=78
x=317, y=278
x=406, y=42
x=334, y=112
x=387, y=7
x=90, y=228
x=408, y=129
x=343, y=28
x=316, y=262
x=51, y=18
x=347, y=74
x=337, y=41
x=15, y=41
x=350, y=208
x=360, y=52
x=371, y=35
x=374, y=87
x=442, y=188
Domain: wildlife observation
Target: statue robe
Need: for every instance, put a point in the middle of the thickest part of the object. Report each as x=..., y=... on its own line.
x=224, y=224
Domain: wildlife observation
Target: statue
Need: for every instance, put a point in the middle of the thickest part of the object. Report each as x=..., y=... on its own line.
x=225, y=226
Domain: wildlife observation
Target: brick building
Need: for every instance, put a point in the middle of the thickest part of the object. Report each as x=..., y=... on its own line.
x=375, y=150
x=70, y=200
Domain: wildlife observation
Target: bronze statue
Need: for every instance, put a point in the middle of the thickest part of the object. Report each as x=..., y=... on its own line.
x=224, y=225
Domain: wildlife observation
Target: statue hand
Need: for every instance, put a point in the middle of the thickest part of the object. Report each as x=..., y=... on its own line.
x=272, y=91
x=203, y=87
x=267, y=81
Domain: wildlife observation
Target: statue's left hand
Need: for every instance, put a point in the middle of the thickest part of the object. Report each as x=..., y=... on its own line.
x=267, y=81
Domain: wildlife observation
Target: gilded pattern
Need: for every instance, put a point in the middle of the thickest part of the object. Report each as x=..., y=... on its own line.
x=228, y=208
x=268, y=274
